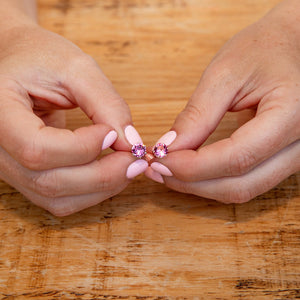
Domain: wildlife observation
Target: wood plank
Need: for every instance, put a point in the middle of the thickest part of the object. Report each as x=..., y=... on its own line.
x=149, y=242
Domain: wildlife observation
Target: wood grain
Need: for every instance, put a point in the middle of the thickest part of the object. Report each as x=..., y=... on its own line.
x=150, y=242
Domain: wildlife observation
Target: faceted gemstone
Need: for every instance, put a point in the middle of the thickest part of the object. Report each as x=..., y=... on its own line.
x=160, y=150
x=138, y=150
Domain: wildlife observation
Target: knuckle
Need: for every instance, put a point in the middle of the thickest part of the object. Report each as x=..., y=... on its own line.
x=237, y=195
x=82, y=61
x=58, y=208
x=192, y=112
x=241, y=162
x=183, y=187
x=10, y=84
x=84, y=149
x=188, y=176
x=180, y=186
x=46, y=184
x=32, y=157
x=190, y=172
x=86, y=59
x=219, y=70
x=106, y=182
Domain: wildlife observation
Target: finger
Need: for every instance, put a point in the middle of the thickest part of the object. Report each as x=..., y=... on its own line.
x=76, y=193
x=99, y=176
x=54, y=118
x=65, y=206
x=60, y=197
x=243, y=188
x=96, y=96
x=251, y=144
x=155, y=176
x=26, y=138
x=205, y=109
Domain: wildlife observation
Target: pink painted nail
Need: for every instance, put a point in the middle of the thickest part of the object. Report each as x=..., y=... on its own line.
x=161, y=169
x=155, y=176
x=168, y=138
x=109, y=139
x=132, y=135
x=136, y=168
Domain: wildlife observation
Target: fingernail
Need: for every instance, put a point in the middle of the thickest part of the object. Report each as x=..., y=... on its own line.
x=168, y=138
x=109, y=139
x=136, y=168
x=132, y=135
x=155, y=176
x=161, y=169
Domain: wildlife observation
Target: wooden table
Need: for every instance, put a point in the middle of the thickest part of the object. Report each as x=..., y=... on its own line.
x=150, y=242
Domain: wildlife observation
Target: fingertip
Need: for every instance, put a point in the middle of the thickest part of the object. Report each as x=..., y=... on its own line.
x=180, y=164
x=132, y=135
x=155, y=176
x=127, y=137
x=161, y=169
x=186, y=138
x=168, y=138
x=180, y=137
x=109, y=139
x=136, y=168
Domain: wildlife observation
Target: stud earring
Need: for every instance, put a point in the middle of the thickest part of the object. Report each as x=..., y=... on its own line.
x=160, y=150
x=139, y=150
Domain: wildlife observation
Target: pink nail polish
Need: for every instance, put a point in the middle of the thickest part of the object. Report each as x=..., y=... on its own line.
x=136, y=168
x=109, y=139
x=155, y=176
x=161, y=169
x=132, y=135
x=168, y=138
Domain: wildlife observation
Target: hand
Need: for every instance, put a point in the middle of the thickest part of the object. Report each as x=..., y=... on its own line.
x=40, y=74
x=259, y=69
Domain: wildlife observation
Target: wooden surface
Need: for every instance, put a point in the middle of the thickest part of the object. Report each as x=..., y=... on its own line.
x=150, y=242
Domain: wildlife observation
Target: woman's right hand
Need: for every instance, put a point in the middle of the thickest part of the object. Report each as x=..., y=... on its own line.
x=42, y=74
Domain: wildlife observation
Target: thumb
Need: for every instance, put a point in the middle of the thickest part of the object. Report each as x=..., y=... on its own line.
x=96, y=96
x=202, y=114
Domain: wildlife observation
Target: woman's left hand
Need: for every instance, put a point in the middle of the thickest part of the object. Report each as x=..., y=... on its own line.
x=260, y=69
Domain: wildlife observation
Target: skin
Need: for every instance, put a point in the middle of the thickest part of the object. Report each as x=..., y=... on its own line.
x=55, y=168
x=257, y=69
x=58, y=169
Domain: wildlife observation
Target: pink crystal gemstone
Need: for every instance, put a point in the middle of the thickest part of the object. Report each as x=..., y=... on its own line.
x=138, y=150
x=160, y=150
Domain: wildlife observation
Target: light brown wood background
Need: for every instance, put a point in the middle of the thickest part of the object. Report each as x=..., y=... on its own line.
x=150, y=242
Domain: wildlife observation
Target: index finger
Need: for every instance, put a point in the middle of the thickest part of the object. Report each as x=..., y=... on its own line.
x=95, y=95
x=251, y=144
x=34, y=145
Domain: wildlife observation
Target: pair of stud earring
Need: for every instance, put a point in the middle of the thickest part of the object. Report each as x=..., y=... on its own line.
x=160, y=150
